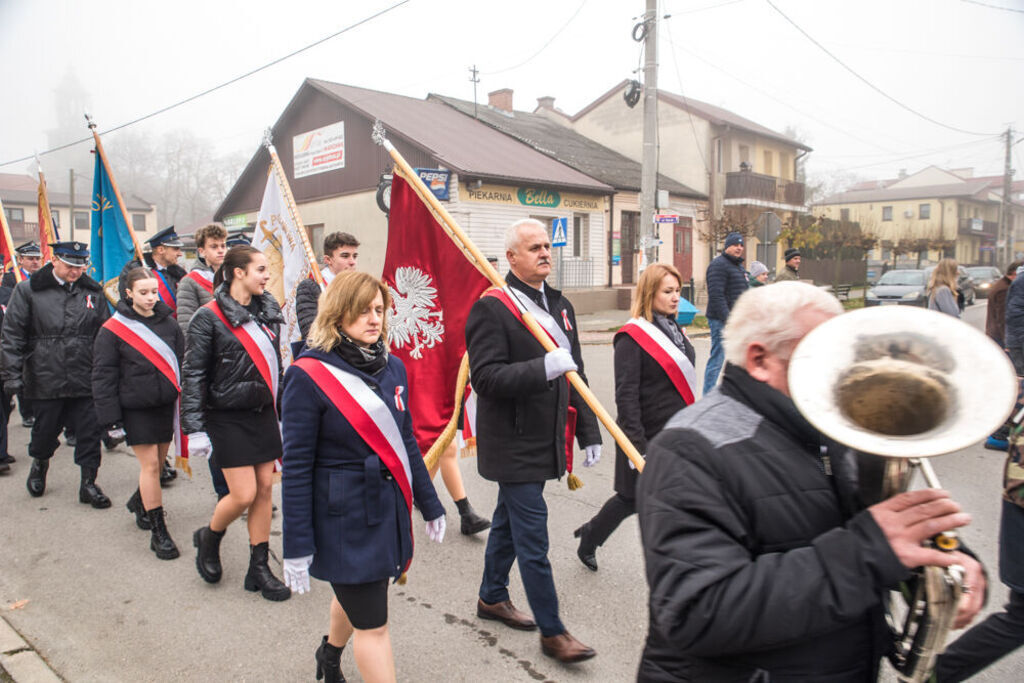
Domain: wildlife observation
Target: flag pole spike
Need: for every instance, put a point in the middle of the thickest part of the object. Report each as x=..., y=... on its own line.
x=268, y=138
x=113, y=184
x=293, y=209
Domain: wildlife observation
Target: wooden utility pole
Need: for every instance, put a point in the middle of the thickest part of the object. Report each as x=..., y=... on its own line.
x=649, y=170
x=1005, y=236
x=474, y=78
x=71, y=201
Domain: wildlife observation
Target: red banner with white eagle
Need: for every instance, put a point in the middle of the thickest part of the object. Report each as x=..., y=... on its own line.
x=433, y=287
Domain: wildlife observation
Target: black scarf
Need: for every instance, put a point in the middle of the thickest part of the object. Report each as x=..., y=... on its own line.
x=667, y=325
x=369, y=359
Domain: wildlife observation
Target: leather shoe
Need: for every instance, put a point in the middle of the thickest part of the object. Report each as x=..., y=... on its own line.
x=8, y=459
x=36, y=483
x=4, y=467
x=565, y=648
x=167, y=474
x=506, y=613
x=91, y=494
x=587, y=551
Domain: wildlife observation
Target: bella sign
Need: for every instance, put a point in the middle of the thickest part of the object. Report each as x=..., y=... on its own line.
x=547, y=198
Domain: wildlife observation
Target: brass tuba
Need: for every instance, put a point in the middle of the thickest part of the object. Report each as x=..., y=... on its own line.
x=907, y=384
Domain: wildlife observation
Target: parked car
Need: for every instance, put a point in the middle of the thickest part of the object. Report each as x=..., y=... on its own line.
x=902, y=287
x=984, y=277
x=966, y=287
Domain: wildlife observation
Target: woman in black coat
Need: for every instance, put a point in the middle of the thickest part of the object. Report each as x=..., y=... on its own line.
x=646, y=395
x=228, y=409
x=135, y=385
x=346, y=493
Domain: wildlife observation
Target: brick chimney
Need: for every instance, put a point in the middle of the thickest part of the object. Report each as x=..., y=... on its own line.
x=501, y=99
x=546, y=102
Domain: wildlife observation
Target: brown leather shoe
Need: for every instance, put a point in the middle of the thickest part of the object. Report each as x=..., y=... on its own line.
x=565, y=648
x=506, y=613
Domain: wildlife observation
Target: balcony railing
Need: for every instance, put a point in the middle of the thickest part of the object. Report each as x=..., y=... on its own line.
x=765, y=188
x=24, y=230
x=976, y=226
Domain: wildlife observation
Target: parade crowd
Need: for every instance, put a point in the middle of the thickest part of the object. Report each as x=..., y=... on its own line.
x=765, y=560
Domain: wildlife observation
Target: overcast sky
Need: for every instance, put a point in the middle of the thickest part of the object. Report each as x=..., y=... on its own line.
x=955, y=61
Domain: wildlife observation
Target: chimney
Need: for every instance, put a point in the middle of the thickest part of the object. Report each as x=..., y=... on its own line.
x=500, y=99
x=903, y=173
x=546, y=102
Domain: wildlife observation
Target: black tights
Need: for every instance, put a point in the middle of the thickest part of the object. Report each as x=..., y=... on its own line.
x=609, y=517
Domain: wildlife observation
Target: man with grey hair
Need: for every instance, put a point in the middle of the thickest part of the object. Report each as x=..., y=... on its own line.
x=526, y=410
x=762, y=561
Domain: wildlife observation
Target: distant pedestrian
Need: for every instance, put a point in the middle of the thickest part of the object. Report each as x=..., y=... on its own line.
x=791, y=271
x=758, y=274
x=726, y=280
x=995, y=318
x=942, y=288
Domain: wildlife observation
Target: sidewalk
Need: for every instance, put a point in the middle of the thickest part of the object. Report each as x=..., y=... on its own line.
x=19, y=662
x=600, y=327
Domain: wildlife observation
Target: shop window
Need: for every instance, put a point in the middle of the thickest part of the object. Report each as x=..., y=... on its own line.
x=580, y=235
x=924, y=211
x=886, y=213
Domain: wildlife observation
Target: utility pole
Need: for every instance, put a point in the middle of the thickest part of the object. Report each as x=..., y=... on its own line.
x=1005, y=228
x=474, y=79
x=649, y=171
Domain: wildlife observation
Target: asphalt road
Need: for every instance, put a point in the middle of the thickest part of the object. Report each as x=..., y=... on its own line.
x=101, y=607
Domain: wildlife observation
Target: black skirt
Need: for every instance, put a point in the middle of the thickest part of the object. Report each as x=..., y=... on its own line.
x=149, y=425
x=243, y=437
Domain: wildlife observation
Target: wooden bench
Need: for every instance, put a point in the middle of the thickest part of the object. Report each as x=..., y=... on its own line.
x=842, y=292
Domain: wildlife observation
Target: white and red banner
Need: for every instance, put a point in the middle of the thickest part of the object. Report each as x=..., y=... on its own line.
x=672, y=360
x=204, y=278
x=433, y=287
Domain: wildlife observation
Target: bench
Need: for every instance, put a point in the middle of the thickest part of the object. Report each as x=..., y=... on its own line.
x=842, y=292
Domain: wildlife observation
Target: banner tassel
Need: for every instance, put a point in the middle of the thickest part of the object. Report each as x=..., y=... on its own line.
x=574, y=482
x=431, y=457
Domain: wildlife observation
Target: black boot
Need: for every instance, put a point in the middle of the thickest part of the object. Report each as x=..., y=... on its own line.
x=328, y=662
x=36, y=483
x=167, y=474
x=89, y=492
x=471, y=523
x=207, y=543
x=160, y=541
x=587, y=551
x=134, y=505
x=259, y=577
x=4, y=467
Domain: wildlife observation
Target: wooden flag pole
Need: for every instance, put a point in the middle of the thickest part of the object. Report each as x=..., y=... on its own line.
x=282, y=181
x=117, y=192
x=44, y=201
x=9, y=242
x=483, y=265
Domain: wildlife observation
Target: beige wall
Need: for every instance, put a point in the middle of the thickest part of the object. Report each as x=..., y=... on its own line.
x=64, y=220
x=942, y=223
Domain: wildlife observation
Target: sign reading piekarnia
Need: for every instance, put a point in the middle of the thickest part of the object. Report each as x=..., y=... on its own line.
x=319, y=150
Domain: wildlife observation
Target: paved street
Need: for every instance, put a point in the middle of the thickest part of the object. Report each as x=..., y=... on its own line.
x=101, y=607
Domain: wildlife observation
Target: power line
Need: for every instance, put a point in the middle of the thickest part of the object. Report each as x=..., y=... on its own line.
x=679, y=78
x=990, y=6
x=866, y=81
x=216, y=87
x=932, y=150
x=544, y=46
x=906, y=158
x=701, y=9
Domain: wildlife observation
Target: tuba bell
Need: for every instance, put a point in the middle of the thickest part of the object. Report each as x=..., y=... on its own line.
x=906, y=384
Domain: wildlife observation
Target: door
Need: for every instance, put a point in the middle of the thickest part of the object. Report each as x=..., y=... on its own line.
x=628, y=245
x=682, y=248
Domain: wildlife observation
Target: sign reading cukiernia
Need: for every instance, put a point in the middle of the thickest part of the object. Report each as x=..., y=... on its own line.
x=319, y=151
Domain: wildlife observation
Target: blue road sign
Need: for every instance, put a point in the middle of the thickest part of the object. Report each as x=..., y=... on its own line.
x=559, y=232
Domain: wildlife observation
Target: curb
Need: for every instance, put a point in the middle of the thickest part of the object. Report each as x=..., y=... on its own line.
x=19, y=661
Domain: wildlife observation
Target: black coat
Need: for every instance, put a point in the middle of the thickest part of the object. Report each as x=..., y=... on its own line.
x=48, y=336
x=520, y=415
x=218, y=373
x=122, y=377
x=645, y=399
x=307, y=300
x=173, y=273
x=726, y=280
x=762, y=563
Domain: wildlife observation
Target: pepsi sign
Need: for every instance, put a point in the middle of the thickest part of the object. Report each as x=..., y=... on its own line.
x=437, y=180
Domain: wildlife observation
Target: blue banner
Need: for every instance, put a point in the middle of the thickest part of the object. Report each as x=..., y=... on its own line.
x=111, y=243
x=437, y=180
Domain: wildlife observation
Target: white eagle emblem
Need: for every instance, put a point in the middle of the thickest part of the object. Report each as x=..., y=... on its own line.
x=412, y=320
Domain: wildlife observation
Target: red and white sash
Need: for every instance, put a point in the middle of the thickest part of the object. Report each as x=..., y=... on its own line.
x=204, y=281
x=257, y=344
x=154, y=349
x=671, y=359
x=163, y=287
x=369, y=416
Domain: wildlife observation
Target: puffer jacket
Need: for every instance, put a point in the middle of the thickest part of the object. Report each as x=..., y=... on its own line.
x=122, y=377
x=48, y=335
x=726, y=280
x=218, y=373
x=307, y=299
x=1015, y=314
x=192, y=296
x=762, y=563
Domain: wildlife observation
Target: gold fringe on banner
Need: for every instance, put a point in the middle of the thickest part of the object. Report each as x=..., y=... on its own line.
x=182, y=464
x=432, y=455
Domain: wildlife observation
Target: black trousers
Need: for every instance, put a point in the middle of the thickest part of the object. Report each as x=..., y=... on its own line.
x=609, y=517
x=24, y=407
x=997, y=636
x=79, y=415
x=6, y=407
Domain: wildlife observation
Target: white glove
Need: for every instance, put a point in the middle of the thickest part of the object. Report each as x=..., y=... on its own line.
x=629, y=462
x=296, y=573
x=116, y=433
x=557, y=363
x=435, y=529
x=593, y=455
x=199, y=446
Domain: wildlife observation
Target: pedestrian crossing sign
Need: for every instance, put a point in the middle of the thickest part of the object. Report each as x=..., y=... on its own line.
x=559, y=232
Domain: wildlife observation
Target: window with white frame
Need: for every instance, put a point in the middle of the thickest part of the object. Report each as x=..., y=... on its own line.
x=580, y=235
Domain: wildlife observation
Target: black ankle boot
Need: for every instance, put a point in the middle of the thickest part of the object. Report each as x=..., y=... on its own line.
x=328, y=662
x=135, y=506
x=167, y=474
x=471, y=523
x=260, y=578
x=207, y=543
x=89, y=492
x=36, y=483
x=587, y=551
x=160, y=541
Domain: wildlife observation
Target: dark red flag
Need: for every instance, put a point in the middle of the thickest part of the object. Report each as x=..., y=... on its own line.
x=433, y=286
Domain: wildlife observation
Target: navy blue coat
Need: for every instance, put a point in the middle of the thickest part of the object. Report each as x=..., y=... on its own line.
x=340, y=504
x=726, y=280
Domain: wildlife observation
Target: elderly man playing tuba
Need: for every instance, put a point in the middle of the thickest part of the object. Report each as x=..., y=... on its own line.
x=761, y=560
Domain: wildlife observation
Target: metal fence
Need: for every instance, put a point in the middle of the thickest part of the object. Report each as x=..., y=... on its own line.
x=573, y=273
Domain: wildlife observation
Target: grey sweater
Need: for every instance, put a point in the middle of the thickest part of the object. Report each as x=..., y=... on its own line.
x=944, y=301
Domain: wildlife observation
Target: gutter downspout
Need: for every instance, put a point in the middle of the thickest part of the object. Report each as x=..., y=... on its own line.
x=611, y=236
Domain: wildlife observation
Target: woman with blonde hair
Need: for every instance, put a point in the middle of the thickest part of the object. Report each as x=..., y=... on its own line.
x=654, y=379
x=352, y=471
x=942, y=288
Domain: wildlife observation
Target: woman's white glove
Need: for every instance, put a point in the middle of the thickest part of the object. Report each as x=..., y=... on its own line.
x=435, y=529
x=199, y=446
x=296, y=573
x=593, y=454
x=630, y=462
x=557, y=363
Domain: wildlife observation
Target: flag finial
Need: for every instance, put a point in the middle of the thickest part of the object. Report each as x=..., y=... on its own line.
x=268, y=137
x=89, y=122
x=378, y=134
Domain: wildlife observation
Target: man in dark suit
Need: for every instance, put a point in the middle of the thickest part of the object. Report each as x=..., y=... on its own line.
x=523, y=404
